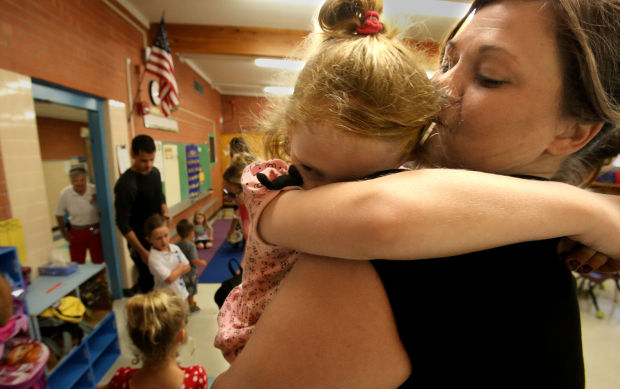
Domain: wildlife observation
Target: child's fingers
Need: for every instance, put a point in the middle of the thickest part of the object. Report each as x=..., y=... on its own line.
x=610, y=266
x=578, y=257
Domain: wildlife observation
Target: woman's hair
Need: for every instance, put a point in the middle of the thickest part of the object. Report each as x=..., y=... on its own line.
x=154, y=222
x=233, y=172
x=366, y=84
x=588, y=39
x=239, y=145
x=154, y=321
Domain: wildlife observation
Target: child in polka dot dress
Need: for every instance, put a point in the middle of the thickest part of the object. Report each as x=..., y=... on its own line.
x=156, y=325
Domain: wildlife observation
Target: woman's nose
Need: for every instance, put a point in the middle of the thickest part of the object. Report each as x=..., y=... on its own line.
x=448, y=84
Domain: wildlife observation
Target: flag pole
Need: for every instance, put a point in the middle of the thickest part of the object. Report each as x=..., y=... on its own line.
x=135, y=97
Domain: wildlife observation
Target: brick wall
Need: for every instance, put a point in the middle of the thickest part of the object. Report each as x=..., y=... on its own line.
x=240, y=112
x=84, y=45
x=60, y=139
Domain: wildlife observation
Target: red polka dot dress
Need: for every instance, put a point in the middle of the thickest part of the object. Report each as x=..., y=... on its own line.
x=195, y=377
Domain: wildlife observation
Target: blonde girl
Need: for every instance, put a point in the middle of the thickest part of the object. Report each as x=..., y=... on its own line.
x=359, y=106
x=203, y=231
x=156, y=324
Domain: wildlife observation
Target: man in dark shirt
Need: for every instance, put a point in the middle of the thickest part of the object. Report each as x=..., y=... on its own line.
x=138, y=195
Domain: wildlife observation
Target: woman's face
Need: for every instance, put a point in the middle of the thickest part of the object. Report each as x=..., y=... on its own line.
x=503, y=72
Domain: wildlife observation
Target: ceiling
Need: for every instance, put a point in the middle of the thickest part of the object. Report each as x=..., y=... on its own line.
x=237, y=74
x=47, y=109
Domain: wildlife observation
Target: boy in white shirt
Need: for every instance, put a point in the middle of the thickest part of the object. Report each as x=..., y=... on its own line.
x=167, y=262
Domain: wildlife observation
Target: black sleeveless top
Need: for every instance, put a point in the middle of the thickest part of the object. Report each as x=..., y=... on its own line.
x=501, y=318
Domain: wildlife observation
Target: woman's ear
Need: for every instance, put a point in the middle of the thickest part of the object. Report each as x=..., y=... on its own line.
x=573, y=138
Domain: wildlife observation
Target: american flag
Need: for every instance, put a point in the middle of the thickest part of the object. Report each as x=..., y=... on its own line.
x=160, y=64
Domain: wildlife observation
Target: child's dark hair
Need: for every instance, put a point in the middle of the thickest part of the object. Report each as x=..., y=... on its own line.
x=154, y=321
x=153, y=222
x=184, y=228
x=142, y=143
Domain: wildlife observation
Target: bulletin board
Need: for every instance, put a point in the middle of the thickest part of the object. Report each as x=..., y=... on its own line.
x=179, y=181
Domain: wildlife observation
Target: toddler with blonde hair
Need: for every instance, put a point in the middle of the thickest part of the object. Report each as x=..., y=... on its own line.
x=156, y=324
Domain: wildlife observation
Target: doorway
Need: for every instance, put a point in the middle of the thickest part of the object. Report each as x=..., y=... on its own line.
x=89, y=149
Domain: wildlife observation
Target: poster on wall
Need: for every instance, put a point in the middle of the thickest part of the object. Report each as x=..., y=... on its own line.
x=159, y=160
x=171, y=174
x=193, y=170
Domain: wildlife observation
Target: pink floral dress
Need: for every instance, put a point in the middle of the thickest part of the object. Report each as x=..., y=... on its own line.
x=265, y=265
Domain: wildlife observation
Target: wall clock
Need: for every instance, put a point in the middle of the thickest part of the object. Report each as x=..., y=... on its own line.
x=154, y=92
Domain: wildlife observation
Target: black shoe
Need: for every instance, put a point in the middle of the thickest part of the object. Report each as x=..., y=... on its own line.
x=131, y=291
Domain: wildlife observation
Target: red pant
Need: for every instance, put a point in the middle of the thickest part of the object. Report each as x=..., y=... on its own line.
x=87, y=238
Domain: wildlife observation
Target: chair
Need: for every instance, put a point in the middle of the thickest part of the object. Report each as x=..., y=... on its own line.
x=594, y=279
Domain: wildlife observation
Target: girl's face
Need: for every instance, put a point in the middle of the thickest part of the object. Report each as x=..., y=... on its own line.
x=200, y=219
x=503, y=73
x=324, y=154
x=159, y=238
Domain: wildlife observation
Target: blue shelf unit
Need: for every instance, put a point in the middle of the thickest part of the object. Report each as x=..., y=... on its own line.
x=9, y=264
x=87, y=362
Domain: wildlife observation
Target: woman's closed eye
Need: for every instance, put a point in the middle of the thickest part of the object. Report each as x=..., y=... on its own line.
x=487, y=82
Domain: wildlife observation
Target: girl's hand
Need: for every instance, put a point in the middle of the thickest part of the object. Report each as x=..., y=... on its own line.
x=585, y=260
x=600, y=247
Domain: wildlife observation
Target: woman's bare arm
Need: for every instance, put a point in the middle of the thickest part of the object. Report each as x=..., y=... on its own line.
x=438, y=212
x=323, y=330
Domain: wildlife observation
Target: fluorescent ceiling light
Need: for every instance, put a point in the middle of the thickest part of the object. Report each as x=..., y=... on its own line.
x=450, y=9
x=278, y=90
x=286, y=64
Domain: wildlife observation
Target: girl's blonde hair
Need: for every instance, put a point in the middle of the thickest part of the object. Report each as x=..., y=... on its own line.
x=368, y=85
x=154, y=321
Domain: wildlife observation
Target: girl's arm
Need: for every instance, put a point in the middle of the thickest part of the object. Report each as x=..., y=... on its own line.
x=435, y=213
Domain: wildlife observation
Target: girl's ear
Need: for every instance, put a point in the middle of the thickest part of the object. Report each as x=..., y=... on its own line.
x=573, y=138
x=181, y=336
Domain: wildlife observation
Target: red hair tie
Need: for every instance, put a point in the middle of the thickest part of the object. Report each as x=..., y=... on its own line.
x=371, y=24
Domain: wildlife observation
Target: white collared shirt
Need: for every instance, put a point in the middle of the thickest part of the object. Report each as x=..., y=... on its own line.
x=82, y=209
x=162, y=263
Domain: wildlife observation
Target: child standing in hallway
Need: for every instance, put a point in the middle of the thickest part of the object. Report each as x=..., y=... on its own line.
x=185, y=229
x=167, y=263
x=156, y=323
